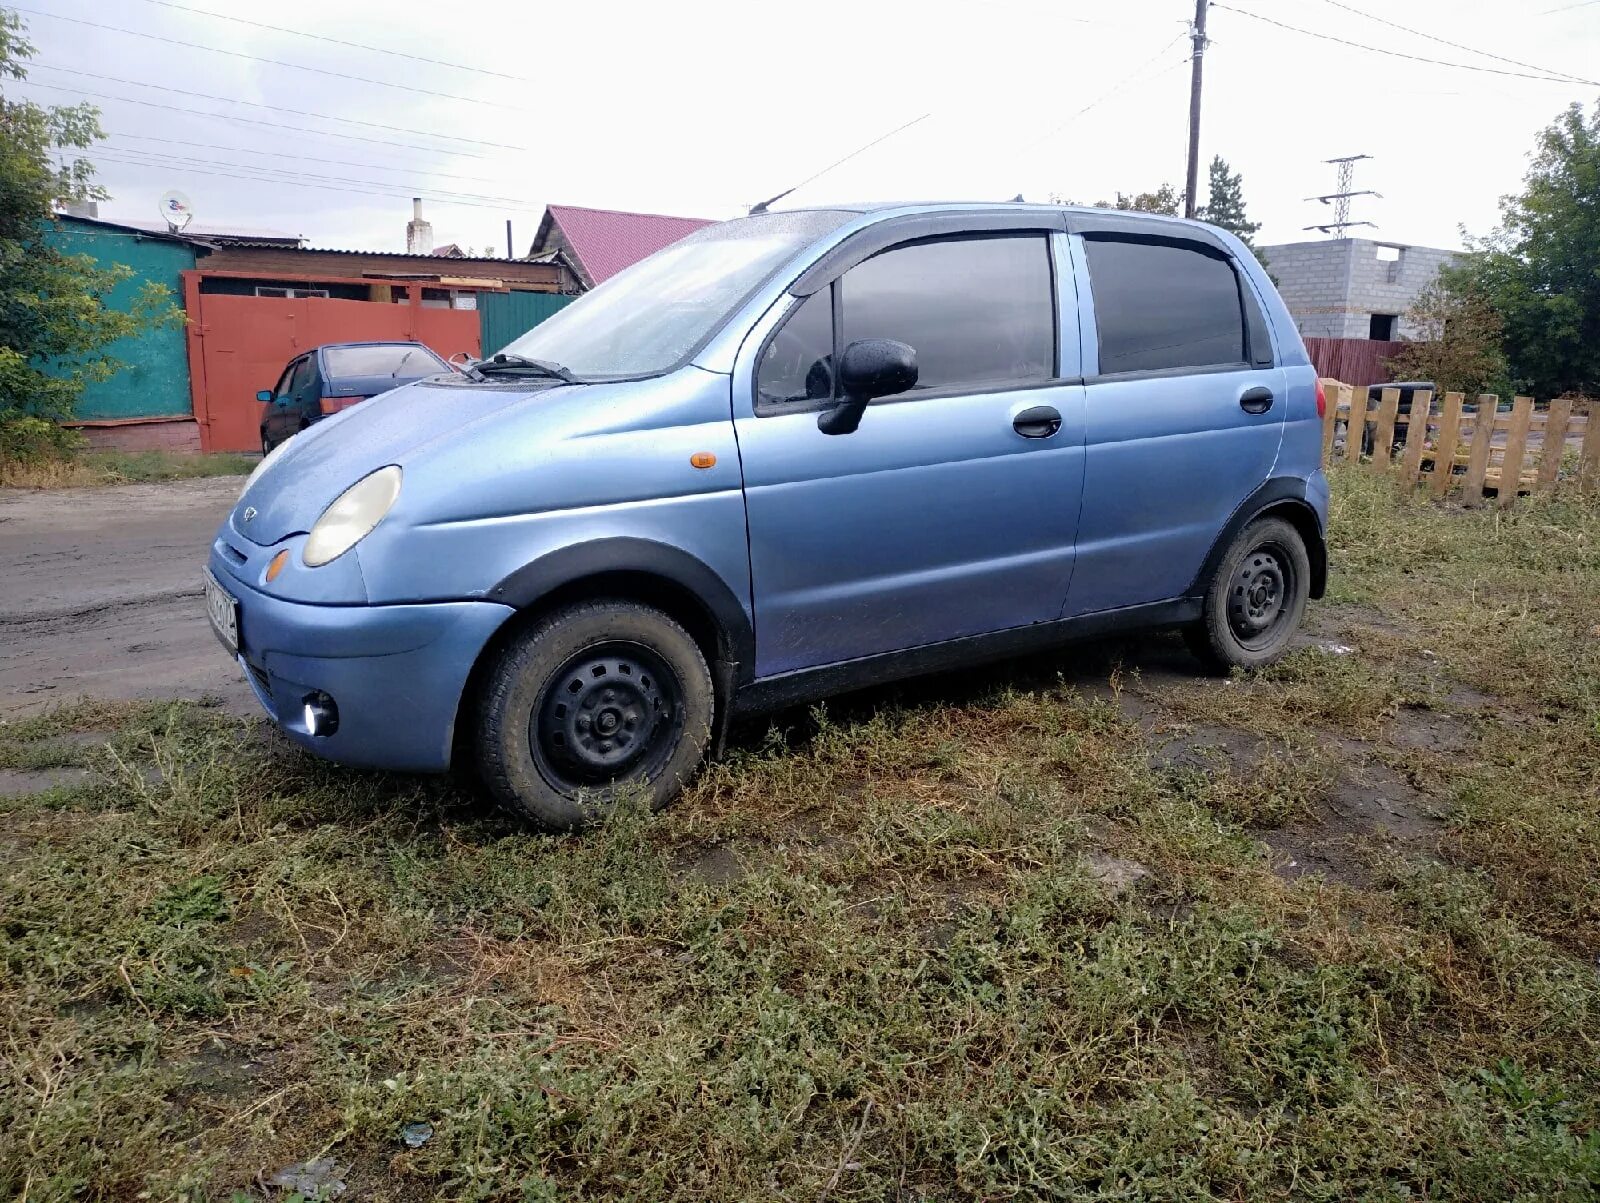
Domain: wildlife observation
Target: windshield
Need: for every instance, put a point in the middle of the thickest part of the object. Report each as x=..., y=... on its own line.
x=647, y=319
x=405, y=361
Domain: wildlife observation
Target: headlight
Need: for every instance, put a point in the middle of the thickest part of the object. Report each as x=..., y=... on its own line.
x=266, y=460
x=352, y=516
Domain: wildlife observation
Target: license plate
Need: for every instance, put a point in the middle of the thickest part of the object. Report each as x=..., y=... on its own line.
x=223, y=611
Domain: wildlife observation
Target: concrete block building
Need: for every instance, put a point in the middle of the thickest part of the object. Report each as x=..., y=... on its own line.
x=1353, y=287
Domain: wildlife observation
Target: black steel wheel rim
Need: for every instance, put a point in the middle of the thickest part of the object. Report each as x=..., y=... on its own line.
x=614, y=710
x=1261, y=595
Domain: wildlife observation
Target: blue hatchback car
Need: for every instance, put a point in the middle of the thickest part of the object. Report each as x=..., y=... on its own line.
x=790, y=455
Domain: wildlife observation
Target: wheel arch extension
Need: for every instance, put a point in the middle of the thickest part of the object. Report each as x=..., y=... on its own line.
x=656, y=574
x=1281, y=497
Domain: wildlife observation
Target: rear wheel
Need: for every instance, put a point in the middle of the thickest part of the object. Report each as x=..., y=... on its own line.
x=596, y=700
x=1254, y=604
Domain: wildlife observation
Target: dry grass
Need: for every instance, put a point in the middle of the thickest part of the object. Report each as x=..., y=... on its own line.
x=94, y=468
x=878, y=952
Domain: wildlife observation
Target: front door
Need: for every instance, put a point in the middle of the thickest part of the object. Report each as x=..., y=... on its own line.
x=952, y=510
x=1184, y=417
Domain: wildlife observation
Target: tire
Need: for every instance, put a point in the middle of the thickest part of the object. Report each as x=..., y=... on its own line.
x=266, y=445
x=597, y=699
x=1254, y=603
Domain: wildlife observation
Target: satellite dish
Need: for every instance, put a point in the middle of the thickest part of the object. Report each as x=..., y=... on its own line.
x=176, y=210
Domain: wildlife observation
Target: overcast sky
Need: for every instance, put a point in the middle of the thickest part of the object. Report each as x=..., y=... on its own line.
x=703, y=107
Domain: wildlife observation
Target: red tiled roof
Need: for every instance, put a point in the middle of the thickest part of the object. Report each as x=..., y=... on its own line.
x=605, y=241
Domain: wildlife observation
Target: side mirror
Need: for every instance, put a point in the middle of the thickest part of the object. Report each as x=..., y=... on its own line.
x=868, y=369
x=265, y=395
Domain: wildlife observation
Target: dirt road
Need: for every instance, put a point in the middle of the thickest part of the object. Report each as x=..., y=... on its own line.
x=100, y=594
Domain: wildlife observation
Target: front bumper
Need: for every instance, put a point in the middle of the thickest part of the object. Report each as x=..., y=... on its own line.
x=396, y=672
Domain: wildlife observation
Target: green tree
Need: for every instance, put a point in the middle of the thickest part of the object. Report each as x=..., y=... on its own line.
x=1540, y=269
x=1165, y=199
x=1224, y=205
x=55, y=329
x=1457, y=344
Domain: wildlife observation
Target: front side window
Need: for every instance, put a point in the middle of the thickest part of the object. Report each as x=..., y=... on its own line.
x=979, y=312
x=798, y=362
x=302, y=375
x=1163, y=305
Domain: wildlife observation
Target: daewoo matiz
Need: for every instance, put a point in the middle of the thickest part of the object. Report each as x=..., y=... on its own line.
x=793, y=454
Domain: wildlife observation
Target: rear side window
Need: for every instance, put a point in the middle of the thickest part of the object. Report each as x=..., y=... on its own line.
x=978, y=311
x=1163, y=305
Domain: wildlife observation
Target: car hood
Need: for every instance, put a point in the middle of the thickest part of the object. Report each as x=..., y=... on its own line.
x=318, y=464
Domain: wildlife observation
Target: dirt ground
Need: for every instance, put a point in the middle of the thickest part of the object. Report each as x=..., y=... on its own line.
x=100, y=594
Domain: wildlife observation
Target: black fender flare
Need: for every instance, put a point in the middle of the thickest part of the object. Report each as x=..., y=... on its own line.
x=1285, y=493
x=684, y=576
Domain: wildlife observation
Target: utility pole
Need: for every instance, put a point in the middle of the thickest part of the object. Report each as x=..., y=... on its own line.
x=1198, y=34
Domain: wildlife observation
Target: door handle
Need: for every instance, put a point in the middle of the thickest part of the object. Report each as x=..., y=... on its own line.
x=1040, y=422
x=1256, y=400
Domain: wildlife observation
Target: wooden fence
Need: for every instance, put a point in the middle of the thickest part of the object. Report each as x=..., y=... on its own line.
x=1479, y=445
x=1353, y=360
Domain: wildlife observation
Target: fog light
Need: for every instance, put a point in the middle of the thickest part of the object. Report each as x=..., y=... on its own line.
x=322, y=716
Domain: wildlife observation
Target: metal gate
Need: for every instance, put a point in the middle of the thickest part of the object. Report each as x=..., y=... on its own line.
x=238, y=345
x=505, y=316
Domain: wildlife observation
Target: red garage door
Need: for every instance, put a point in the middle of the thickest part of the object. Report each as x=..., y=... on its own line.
x=238, y=345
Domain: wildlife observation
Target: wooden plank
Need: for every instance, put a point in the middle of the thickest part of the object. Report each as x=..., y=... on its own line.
x=1332, y=394
x=1589, y=458
x=1356, y=433
x=1444, y=449
x=1417, y=434
x=1383, y=429
x=1555, y=442
x=1478, y=457
x=1516, y=446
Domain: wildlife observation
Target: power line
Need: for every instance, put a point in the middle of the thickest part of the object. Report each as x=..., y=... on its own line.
x=275, y=62
x=1499, y=58
x=299, y=129
x=419, y=168
x=317, y=37
x=1416, y=58
x=1567, y=8
x=1132, y=77
x=398, y=191
x=394, y=129
x=177, y=160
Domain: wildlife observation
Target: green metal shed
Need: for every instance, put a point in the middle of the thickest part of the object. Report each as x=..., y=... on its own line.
x=154, y=379
x=505, y=316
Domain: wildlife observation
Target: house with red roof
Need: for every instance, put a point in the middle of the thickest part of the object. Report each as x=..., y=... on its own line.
x=595, y=244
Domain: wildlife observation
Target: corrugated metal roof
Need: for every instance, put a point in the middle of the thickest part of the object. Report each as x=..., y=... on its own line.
x=607, y=240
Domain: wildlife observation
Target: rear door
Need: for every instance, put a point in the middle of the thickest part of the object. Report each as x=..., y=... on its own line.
x=1185, y=408
x=951, y=511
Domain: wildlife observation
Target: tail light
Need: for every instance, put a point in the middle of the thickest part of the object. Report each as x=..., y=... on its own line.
x=332, y=405
x=1322, y=401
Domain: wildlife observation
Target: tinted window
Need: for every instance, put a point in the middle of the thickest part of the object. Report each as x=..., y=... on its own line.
x=401, y=362
x=302, y=375
x=798, y=362
x=977, y=311
x=1160, y=305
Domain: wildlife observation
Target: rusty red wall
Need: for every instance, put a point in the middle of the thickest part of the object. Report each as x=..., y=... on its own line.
x=238, y=345
x=1357, y=361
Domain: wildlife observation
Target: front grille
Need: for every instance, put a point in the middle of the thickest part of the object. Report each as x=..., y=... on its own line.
x=233, y=553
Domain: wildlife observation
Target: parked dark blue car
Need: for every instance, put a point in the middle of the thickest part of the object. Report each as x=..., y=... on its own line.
x=337, y=376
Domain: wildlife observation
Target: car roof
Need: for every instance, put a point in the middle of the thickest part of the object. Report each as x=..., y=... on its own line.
x=900, y=207
x=379, y=342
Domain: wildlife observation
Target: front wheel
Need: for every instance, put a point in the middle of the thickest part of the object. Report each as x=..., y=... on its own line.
x=266, y=444
x=1255, y=602
x=596, y=700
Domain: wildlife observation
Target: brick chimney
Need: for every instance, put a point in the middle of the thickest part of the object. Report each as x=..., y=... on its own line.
x=419, y=233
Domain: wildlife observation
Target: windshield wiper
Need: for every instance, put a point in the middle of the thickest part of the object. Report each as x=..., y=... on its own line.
x=521, y=363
